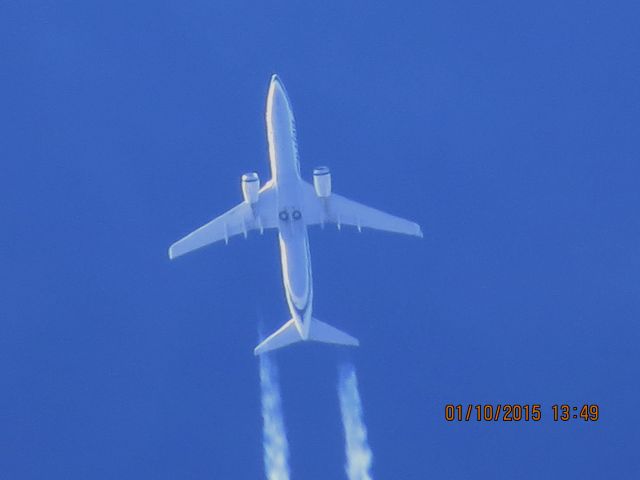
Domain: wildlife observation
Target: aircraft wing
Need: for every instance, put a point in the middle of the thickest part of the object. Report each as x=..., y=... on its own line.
x=239, y=220
x=342, y=211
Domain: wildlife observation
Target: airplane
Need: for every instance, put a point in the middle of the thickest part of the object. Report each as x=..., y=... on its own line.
x=289, y=204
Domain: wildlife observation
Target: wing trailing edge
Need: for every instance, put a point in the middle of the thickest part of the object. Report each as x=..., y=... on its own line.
x=340, y=211
x=241, y=219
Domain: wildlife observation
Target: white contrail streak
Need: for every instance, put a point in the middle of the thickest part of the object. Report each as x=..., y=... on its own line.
x=274, y=438
x=359, y=456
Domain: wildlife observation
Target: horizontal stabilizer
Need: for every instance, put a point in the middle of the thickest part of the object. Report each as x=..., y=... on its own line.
x=325, y=333
x=318, y=332
x=285, y=335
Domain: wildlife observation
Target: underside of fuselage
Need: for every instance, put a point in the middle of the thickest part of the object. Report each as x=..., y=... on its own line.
x=285, y=171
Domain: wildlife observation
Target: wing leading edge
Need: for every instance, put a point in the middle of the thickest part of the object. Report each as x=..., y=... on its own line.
x=241, y=219
x=342, y=211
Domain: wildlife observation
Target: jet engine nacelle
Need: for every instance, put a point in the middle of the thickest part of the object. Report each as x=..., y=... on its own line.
x=322, y=181
x=250, y=187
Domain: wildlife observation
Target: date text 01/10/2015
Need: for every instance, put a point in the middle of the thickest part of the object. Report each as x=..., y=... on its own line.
x=514, y=412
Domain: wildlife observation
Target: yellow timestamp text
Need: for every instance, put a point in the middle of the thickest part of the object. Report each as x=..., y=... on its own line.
x=519, y=412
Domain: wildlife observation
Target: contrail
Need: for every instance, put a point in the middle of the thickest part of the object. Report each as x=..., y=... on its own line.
x=274, y=438
x=359, y=456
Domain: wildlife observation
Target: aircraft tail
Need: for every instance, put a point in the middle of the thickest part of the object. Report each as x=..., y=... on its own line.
x=318, y=332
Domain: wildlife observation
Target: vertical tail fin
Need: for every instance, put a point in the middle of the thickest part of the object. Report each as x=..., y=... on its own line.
x=318, y=332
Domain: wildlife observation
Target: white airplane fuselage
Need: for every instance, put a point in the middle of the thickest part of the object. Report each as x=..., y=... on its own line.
x=293, y=237
x=289, y=204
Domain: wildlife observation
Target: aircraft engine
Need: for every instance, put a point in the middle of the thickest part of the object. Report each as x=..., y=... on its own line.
x=250, y=187
x=322, y=181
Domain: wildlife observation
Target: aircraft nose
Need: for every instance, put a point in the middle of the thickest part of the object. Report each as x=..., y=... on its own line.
x=277, y=91
x=275, y=79
x=278, y=106
x=276, y=83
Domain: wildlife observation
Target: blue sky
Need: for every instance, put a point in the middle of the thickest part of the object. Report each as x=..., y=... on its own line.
x=510, y=132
